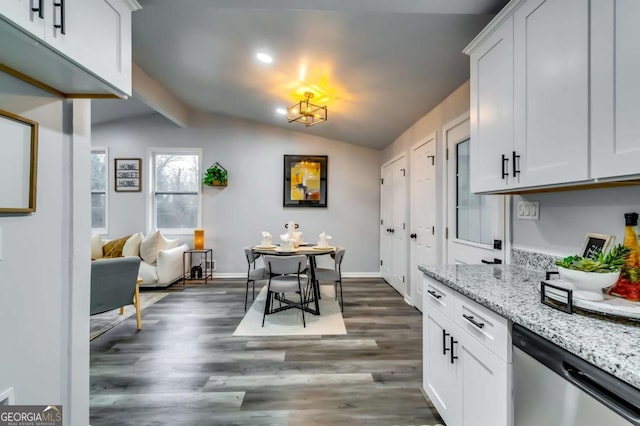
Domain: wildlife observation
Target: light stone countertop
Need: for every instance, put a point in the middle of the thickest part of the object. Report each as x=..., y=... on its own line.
x=511, y=291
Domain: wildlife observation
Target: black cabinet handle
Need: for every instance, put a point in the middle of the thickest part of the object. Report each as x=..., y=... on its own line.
x=393, y=230
x=505, y=162
x=414, y=236
x=434, y=294
x=453, y=357
x=473, y=321
x=516, y=167
x=495, y=261
x=444, y=342
x=61, y=26
x=38, y=9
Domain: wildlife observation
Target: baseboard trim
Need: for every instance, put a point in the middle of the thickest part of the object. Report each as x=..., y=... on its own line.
x=344, y=275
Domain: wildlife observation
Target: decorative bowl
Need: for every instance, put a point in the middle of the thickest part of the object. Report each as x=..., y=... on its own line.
x=589, y=281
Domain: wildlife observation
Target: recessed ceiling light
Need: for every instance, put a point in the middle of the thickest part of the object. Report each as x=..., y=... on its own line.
x=263, y=57
x=281, y=111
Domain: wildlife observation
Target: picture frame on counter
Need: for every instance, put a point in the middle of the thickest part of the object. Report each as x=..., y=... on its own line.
x=595, y=244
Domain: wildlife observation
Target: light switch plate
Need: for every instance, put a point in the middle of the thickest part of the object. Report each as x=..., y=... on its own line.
x=529, y=210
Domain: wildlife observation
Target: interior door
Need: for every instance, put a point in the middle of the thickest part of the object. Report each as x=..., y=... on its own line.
x=423, y=213
x=399, y=229
x=473, y=221
x=386, y=218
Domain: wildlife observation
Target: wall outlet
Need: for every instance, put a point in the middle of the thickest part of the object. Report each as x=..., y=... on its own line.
x=529, y=210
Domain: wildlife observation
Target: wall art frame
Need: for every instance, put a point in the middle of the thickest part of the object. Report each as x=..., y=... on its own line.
x=18, y=163
x=127, y=174
x=305, y=182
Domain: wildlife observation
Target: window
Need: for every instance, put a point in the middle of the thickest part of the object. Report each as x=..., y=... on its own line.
x=175, y=190
x=99, y=190
x=474, y=212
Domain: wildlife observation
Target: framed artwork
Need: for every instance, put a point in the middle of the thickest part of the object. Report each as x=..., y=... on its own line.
x=595, y=244
x=18, y=163
x=305, y=181
x=127, y=174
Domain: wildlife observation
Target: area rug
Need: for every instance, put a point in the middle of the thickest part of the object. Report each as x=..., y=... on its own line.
x=289, y=322
x=101, y=323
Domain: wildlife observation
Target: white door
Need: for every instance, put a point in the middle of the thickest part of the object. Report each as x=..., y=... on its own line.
x=551, y=92
x=399, y=229
x=386, y=218
x=615, y=86
x=22, y=14
x=423, y=213
x=473, y=221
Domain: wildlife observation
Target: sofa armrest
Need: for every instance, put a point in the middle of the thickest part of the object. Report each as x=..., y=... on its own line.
x=169, y=263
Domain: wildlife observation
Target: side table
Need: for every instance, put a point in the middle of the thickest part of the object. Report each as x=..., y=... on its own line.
x=206, y=264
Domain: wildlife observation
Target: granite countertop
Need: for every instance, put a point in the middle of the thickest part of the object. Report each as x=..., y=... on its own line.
x=511, y=291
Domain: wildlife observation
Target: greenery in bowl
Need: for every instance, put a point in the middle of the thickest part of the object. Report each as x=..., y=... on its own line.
x=215, y=176
x=603, y=263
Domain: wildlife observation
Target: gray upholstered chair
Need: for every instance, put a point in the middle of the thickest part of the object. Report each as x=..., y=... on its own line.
x=253, y=274
x=113, y=285
x=285, y=276
x=333, y=275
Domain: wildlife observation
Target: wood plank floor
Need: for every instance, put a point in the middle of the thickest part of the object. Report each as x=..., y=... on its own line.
x=186, y=368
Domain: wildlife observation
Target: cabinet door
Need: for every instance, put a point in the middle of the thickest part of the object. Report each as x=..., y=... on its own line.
x=20, y=13
x=615, y=144
x=97, y=35
x=551, y=89
x=440, y=375
x=485, y=383
x=492, y=109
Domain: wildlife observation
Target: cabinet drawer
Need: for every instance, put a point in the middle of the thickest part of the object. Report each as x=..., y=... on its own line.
x=438, y=296
x=485, y=326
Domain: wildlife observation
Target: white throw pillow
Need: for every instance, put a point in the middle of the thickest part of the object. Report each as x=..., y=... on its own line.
x=167, y=244
x=96, y=246
x=132, y=246
x=149, y=247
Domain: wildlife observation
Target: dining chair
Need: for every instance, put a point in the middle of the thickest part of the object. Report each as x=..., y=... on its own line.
x=285, y=276
x=333, y=275
x=253, y=274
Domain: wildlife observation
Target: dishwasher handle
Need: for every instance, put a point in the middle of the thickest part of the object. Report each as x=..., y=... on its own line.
x=616, y=394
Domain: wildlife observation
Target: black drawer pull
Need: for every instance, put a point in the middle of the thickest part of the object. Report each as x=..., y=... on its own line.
x=453, y=357
x=505, y=167
x=39, y=9
x=473, y=321
x=434, y=294
x=444, y=342
x=516, y=167
x=61, y=26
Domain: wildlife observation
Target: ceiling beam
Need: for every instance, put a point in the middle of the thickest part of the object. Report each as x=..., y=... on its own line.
x=159, y=98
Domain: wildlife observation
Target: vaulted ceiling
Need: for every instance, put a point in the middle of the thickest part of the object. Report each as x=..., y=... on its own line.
x=378, y=65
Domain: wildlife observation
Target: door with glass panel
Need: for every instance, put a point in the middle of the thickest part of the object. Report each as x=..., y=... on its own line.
x=474, y=221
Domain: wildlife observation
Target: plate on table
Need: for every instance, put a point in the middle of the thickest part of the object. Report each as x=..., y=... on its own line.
x=284, y=250
x=327, y=248
x=270, y=246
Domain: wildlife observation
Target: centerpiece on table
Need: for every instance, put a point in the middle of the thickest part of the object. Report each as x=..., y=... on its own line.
x=594, y=273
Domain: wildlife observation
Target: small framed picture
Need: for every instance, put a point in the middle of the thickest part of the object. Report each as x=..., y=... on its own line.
x=594, y=244
x=127, y=174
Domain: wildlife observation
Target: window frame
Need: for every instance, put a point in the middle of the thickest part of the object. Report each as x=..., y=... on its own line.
x=105, y=150
x=151, y=193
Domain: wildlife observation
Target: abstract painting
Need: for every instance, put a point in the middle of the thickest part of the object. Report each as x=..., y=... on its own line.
x=305, y=181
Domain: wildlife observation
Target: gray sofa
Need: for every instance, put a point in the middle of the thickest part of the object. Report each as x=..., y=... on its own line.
x=113, y=285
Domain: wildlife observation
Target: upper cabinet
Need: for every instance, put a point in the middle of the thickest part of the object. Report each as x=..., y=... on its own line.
x=573, y=121
x=77, y=47
x=615, y=86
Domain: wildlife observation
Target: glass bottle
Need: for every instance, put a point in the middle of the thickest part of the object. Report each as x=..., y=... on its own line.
x=631, y=239
x=628, y=285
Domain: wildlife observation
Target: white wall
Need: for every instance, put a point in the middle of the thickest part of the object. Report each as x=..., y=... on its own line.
x=234, y=216
x=565, y=218
x=40, y=328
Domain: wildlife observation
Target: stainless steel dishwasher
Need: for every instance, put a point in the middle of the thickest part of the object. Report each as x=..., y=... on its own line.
x=554, y=387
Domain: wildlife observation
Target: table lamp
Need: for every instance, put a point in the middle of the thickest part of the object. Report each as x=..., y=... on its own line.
x=198, y=239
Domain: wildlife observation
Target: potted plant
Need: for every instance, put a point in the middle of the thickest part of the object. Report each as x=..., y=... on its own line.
x=215, y=175
x=594, y=273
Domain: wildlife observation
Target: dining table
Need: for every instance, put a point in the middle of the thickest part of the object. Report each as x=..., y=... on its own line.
x=309, y=250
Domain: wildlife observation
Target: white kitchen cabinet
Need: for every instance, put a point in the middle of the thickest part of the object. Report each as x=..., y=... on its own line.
x=81, y=46
x=551, y=92
x=22, y=14
x=615, y=110
x=466, y=360
x=491, y=115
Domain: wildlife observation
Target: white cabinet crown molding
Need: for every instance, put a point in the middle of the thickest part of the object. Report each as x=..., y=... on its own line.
x=503, y=15
x=133, y=5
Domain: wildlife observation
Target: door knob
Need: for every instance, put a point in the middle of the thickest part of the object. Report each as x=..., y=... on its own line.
x=414, y=236
x=392, y=230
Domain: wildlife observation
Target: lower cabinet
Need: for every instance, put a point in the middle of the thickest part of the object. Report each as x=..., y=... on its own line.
x=467, y=383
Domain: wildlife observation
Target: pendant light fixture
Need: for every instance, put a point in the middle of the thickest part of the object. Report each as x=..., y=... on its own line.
x=307, y=113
